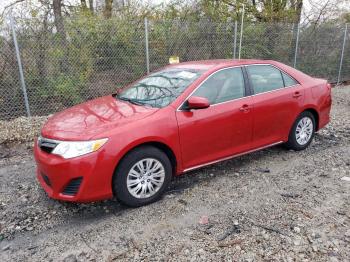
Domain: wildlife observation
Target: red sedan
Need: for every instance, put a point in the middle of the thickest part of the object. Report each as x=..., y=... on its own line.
x=182, y=117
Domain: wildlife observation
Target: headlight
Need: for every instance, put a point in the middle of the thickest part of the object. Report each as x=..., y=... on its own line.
x=68, y=149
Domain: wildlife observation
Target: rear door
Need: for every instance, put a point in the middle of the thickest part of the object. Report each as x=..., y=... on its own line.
x=222, y=129
x=277, y=100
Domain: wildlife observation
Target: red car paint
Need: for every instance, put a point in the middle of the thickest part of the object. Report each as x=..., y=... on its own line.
x=195, y=138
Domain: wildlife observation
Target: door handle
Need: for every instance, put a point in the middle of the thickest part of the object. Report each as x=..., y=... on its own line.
x=244, y=108
x=297, y=94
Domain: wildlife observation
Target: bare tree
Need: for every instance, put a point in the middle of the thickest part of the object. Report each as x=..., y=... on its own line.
x=91, y=6
x=108, y=8
x=297, y=5
x=83, y=5
x=57, y=11
x=9, y=6
x=320, y=11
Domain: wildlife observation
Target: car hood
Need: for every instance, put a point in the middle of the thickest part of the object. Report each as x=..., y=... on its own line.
x=88, y=120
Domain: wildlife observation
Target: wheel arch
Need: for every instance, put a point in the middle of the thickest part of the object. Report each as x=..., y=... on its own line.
x=316, y=115
x=164, y=147
x=313, y=111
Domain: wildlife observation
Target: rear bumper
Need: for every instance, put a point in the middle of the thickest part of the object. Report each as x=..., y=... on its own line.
x=82, y=179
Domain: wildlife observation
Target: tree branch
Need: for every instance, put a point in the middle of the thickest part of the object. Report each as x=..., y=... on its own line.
x=10, y=5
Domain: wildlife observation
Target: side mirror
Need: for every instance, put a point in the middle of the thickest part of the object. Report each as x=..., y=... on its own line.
x=196, y=102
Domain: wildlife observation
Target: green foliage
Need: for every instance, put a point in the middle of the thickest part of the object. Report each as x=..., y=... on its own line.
x=231, y=10
x=66, y=88
x=95, y=57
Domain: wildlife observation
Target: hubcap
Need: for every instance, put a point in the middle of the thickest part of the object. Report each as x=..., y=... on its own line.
x=145, y=178
x=304, y=131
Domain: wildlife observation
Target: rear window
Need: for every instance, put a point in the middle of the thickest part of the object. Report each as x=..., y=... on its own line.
x=288, y=81
x=265, y=78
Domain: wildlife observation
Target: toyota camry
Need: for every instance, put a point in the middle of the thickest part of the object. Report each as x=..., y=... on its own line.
x=184, y=116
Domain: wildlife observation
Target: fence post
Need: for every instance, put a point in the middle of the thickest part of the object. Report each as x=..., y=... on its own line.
x=342, y=54
x=235, y=40
x=296, y=47
x=21, y=74
x=240, y=40
x=146, y=44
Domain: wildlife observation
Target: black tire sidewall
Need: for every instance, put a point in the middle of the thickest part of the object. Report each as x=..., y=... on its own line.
x=119, y=184
x=292, y=141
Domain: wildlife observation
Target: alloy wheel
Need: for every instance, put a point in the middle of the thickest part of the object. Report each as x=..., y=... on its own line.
x=145, y=178
x=304, y=130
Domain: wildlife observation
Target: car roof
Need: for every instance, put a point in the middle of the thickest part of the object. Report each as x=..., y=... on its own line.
x=210, y=64
x=216, y=64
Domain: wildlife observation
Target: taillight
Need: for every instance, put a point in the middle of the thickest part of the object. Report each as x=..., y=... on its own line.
x=329, y=86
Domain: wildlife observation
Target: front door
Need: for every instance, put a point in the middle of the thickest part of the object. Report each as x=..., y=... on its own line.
x=223, y=129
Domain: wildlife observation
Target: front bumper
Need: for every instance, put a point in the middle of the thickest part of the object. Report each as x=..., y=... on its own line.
x=82, y=179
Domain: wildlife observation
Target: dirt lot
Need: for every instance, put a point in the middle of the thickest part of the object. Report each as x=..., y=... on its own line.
x=270, y=205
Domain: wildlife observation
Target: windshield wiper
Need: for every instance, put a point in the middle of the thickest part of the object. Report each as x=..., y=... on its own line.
x=132, y=100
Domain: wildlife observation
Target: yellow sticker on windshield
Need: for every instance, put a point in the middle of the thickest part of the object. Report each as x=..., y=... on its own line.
x=174, y=60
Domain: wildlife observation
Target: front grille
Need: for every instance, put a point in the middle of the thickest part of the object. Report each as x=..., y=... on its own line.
x=73, y=187
x=46, y=179
x=47, y=145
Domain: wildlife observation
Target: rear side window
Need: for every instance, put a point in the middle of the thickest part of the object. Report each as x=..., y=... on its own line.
x=288, y=81
x=222, y=86
x=265, y=78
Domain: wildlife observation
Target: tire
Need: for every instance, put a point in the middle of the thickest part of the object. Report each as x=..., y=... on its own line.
x=306, y=121
x=133, y=184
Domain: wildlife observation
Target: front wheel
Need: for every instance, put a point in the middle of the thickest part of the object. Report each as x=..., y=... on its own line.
x=302, y=131
x=142, y=176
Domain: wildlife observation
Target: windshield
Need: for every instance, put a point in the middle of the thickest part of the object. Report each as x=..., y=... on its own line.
x=161, y=88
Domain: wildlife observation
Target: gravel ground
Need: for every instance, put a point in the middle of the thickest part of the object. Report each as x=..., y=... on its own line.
x=20, y=130
x=274, y=205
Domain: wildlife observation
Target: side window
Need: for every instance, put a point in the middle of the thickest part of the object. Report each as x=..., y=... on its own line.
x=288, y=81
x=225, y=85
x=265, y=78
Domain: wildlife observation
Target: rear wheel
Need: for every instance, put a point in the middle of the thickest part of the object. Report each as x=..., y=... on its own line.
x=302, y=131
x=142, y=176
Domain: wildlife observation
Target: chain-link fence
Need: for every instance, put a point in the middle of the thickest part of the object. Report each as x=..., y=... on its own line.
x=94, y=57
